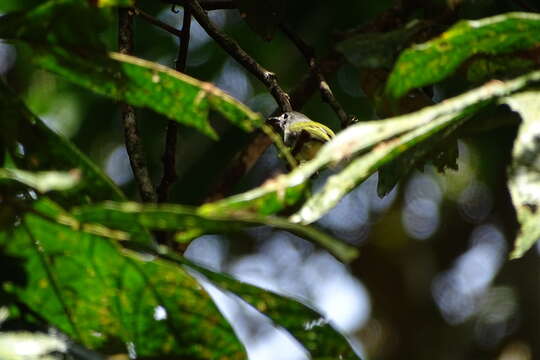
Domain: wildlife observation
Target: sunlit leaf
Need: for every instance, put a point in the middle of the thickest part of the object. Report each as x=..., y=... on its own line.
x=189, y=223
x=43, y=181
x=421, y=126
x=146, y=84
x=45, y=150
x=433, y=61
x=524, y=180
x=25, y=345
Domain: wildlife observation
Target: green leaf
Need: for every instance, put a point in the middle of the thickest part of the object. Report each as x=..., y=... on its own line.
x=121, y=77
x=43, y=181
x=120, y=3
x=262, y=16
x=189, y=223
x=524, y=172
x=105, y=296
x=73, y=23
x=433, y=61
x=84, y=285
x=441, y=149
x=146, y=84
x=46, y=150
x=412, y=129
x=378, y=50
x=304, y=323
x=287, y=190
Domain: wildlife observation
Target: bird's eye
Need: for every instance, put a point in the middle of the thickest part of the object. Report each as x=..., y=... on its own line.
x=285, y=116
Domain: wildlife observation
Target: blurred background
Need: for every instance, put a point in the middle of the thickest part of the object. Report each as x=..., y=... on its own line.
x=433, y=279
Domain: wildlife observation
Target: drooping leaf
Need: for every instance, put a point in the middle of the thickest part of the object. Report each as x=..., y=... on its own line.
x=42, y=181
x=189, y=223
x=433, y=61
x=120, y=77
x=84, y=285
x=524, y=172
x=45, y=150
x=146, y=84
x=308, y=326
x=262, y=16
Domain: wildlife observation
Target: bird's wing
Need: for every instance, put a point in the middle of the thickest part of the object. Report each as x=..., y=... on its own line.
x=316, y=130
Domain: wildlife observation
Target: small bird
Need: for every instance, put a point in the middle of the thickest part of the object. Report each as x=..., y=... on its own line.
x=301, y=134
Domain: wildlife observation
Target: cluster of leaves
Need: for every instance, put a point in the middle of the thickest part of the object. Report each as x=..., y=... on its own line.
x=91, y=267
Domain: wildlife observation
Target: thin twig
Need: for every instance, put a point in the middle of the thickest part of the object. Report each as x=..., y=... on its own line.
x=152, y=20
x=233, y=49
x=169, y=156
x=131, y=133
x=326, y=93
x=208, y=5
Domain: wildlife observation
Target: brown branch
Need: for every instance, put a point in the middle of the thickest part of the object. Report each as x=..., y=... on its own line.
x=152, y=20
x=131, y=133
x=207, y=5
x=326, y=93
x=169, y=156
x=235, y=51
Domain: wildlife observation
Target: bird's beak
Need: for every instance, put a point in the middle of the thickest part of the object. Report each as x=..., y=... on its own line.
x=274, y=121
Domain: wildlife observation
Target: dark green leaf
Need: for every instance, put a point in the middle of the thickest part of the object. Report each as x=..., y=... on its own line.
x=45, y=150
x=305, y=324
x=433, y=61
x=377, y=50
x=84, y=285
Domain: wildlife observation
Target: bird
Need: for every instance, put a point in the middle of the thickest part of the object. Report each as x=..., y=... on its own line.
x=301, y=134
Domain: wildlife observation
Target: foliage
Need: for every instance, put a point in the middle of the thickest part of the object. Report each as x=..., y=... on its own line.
x=107, y=271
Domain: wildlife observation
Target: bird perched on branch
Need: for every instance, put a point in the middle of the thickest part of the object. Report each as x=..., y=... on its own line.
x=301, y=134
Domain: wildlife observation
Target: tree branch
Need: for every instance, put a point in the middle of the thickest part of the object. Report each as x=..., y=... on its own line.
x=207, y=5
x=152, y=20
x=326, y=93
x=169, y=156
x=235, y=51
x=131, y=133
